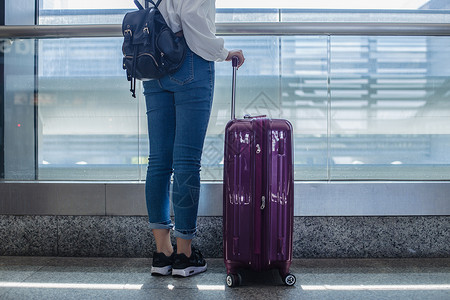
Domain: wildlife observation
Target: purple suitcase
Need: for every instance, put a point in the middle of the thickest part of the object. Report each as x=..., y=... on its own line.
x=258, y=195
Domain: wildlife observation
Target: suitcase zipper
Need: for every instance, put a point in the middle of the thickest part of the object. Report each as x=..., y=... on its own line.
x=263, y=202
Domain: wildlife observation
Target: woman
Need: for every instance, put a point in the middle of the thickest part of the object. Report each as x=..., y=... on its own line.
x=178, y=110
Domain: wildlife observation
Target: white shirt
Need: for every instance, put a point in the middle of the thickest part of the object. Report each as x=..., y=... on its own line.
x=197, y=20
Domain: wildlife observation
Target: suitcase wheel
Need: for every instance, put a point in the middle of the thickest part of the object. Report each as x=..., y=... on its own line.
x=289, y=280
x=234, y=280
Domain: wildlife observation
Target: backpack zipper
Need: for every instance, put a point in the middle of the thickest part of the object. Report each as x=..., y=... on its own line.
x=144, y=54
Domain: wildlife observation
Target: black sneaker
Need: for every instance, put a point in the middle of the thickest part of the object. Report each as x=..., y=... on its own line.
x=162, y=264
x=187, y=266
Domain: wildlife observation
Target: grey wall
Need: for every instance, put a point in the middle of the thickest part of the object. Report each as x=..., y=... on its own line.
x=311, y=198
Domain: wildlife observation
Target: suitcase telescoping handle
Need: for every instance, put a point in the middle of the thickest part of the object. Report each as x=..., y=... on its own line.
x=234, y=63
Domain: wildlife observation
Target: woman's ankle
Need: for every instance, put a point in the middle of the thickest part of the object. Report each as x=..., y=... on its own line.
x=184, y=247
x=163, y=243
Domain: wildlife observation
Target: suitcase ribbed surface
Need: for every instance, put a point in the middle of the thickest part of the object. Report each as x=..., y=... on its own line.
x=258, y=194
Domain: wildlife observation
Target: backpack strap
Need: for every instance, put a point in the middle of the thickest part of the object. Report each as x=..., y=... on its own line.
x=133, y=73
x=151, y=1
x=136, y=2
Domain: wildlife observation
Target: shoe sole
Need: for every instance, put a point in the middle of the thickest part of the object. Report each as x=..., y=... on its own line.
x=189, y=271
x=167, y=270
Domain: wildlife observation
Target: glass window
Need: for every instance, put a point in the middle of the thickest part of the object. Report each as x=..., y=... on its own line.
x=89, y=126
x=59, y=12
x=383, y=115
x=258, y=93
x=342, y=4
x=18, y=108
x=255, y=4
x=304, y=102
x=362, y=107
x=390, y=108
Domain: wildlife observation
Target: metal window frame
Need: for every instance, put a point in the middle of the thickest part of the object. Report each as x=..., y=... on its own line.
x=241, y=29
x=2, y=96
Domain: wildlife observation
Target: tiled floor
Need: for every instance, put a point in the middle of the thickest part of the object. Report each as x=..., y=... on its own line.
x=122, y=278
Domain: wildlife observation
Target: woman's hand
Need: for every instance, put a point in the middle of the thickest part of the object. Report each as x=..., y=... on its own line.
x=238, y=54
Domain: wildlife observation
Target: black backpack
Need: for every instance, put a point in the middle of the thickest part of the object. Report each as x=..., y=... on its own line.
x=150, y=48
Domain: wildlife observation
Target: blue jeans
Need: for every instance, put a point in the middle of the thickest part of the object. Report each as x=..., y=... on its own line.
x=178, y=110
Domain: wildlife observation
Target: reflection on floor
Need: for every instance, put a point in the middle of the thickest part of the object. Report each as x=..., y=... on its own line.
x=122, y=278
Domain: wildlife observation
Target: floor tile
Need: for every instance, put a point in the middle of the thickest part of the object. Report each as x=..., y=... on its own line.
x=130, y=278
